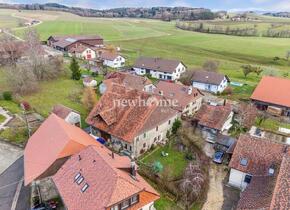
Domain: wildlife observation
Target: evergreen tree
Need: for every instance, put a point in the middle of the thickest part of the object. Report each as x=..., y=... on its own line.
x=75, y=69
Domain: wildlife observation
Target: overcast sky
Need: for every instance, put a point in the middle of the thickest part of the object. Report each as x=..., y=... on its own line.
x=234, y=5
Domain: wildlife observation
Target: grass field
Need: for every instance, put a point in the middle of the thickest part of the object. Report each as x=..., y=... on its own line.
x=143, y=37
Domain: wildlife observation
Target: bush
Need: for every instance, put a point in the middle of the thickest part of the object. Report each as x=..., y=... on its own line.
x=176, y=125
x=25, y=106
x=7, y=96
x=228, y=91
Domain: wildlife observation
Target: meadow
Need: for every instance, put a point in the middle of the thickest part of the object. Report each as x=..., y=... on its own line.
x=143, y=37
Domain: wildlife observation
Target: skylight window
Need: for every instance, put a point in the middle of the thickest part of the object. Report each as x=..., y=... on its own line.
x=244, y=162
x=85, y=187
x=80, y=180
x=77, y=176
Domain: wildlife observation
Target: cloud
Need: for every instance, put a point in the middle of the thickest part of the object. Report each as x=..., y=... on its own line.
x=282, y=6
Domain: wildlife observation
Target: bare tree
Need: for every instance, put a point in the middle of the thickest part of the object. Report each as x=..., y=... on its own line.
x=211, y=65
x=89, y=98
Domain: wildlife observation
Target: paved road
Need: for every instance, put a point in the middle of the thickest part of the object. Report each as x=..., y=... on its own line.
x=8, y=155
x=9, y=181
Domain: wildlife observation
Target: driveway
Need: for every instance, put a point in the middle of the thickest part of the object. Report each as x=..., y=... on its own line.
x=13, y=195
x=8, y=155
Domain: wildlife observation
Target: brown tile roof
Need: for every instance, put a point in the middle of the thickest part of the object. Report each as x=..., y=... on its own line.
x=258, y=194
x=62, y=111
x=208, y=77
x=281, y=197
x=128, y=121
x=108, y=56
x=76, y=37
x=54, y=139
x=158, y=64
x=260, y=154
x=213, y=116
x=79, y=49
x=273, y=90
x=178, y=92
x=108, y=178
x=247, y=114
x=128, y=80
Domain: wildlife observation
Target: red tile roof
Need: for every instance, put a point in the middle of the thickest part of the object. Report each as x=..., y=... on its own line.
x=273, y=90
x=62, y=111
x=178, y=92
x=208, y=77
x=108, y=56
x=108, y=178
x=128, y=121
x=213, y=116
x=258, y=194
x=261, y=154
x=54, y=139
x=281, y=198
x=128, y=80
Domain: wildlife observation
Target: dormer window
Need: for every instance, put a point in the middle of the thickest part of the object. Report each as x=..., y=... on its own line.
x=125, y=204
x=134, y=199
x=80, y=180
x=77, y=176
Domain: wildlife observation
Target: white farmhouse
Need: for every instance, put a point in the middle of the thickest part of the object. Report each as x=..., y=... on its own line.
x=210, y=81
x=82, y=52
x=69, y=115
x=158, y=68
x=112, y=60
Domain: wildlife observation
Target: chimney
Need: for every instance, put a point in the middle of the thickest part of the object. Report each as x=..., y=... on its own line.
x=133, y=169
x=161, y=92
x=189, y=91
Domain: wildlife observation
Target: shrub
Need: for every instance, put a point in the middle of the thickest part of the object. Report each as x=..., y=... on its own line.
x=25, y=106
x=7, y=96
x=228, y=91
x=176, y=125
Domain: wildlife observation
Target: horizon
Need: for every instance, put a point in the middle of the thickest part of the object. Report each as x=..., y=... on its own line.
x=214, y=5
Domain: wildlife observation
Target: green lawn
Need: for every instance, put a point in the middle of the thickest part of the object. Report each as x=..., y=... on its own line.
x=272, y=125
x=11, y=106
x=2, y=118
x=175, y=159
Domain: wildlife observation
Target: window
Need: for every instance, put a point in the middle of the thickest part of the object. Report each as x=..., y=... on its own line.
x=115, y=207
x=144, y=145
x=137, y=139
x=144, y=135
x=85, y=187
x=125, y=204
x=159, y=137
x=126, y=146
x=155, y=139
x=77, y=176
x=80, y=180
x=134, y=199
x=130, y=148
x=169, y=122
x=248, y=179
x=157, y=128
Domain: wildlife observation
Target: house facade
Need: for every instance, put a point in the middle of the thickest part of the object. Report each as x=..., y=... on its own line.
x=112, y=60
x=162, y=69
x=274, y=99
x=210, y=81
x=213, y=120
x=132, y=120
x=82, y=52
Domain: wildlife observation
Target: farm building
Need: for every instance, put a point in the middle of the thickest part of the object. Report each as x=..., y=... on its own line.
x=65, y=43
x=274, y=99
x=159, y=68
x=82, y=52
x=210, y=81
x=131, y=120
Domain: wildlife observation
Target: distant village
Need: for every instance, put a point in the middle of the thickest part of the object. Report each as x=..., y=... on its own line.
x=99, y=163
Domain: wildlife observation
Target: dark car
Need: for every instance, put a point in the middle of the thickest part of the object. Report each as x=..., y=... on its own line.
x=218, y=157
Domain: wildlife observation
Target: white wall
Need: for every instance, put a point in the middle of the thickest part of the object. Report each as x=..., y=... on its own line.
x=210, y=87
x=151, y=136
x=163, y=75
x=117, y=63
x=228, y=122
x=237, y=179
x=192, y=107
x=73, y=118
x=149, y=206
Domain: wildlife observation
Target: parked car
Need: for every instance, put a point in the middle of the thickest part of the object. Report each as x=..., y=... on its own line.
x=218, y=157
